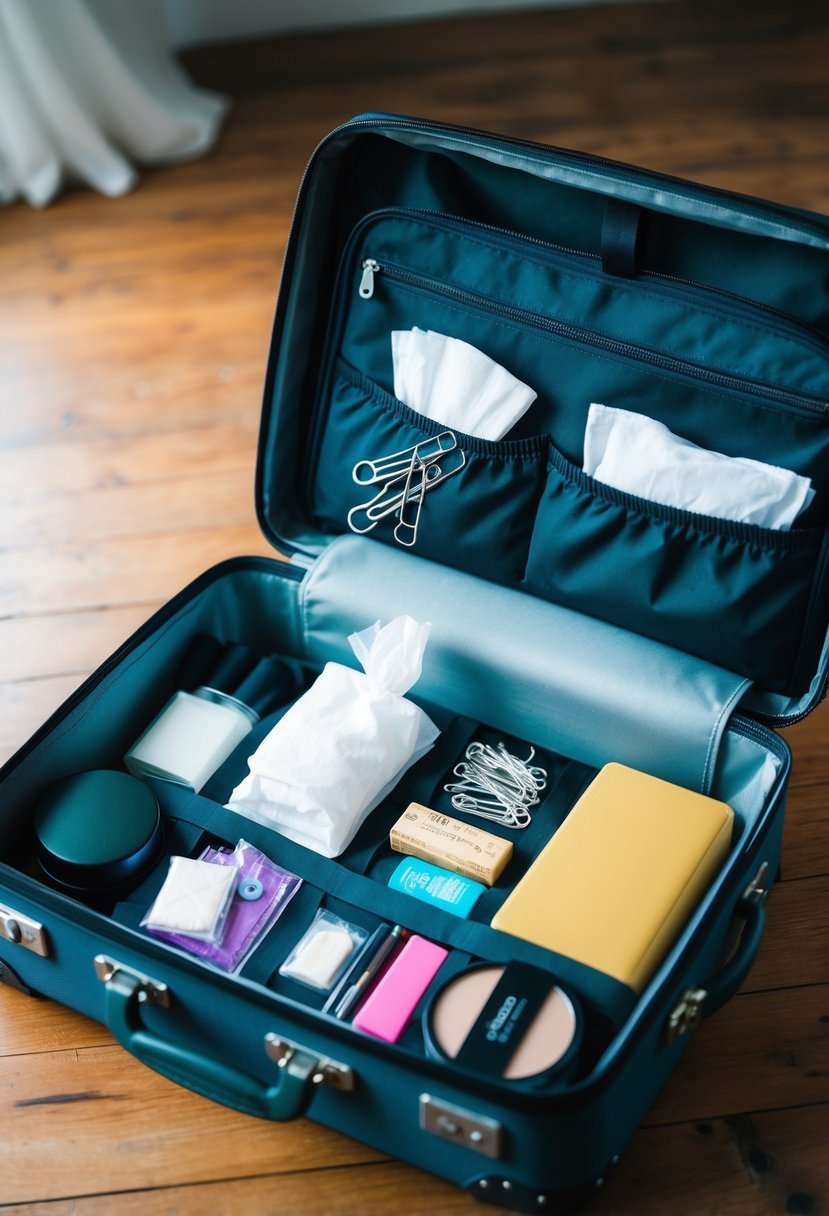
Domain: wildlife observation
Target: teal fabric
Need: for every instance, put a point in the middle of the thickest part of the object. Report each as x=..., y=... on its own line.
x=575, y=685
x=727, y=592
x=739, y=596
x=479, y=519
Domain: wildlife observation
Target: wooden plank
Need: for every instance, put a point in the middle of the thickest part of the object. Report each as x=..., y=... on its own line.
x=764, y=1050
x=69, y=466
x=65, y=643
x=36, y=1026
x=184, y=503
x=82, y=576
x=797, y=916
x=806, y=833
x=760, y=1166
x=96, y=1119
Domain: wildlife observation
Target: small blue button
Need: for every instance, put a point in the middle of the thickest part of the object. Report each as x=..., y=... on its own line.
x=251, y=888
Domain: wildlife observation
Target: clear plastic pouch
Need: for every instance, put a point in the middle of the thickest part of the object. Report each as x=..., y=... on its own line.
x=260, y=893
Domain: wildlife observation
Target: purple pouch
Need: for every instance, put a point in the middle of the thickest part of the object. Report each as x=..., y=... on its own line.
x=263, y=891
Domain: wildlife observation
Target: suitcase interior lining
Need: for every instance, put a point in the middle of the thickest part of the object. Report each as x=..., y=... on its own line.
x=671, y=571
x=96, y=730
x=722, y=335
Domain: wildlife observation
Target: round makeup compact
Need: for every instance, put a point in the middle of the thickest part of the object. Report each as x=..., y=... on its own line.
x=98, y=832
x=512, y=1022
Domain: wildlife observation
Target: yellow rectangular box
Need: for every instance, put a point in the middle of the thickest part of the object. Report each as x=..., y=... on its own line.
x=431, y=836
x=622, y=875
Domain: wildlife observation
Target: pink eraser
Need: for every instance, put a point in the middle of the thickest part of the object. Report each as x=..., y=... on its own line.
x=387, y=1009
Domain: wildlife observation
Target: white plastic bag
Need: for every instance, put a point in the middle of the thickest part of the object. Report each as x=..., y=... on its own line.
x=344, y=745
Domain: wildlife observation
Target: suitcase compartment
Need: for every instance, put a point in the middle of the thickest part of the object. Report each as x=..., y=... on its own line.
x=222, y=1034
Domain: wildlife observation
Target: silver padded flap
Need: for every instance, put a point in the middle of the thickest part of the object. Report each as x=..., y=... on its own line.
x=567, y=682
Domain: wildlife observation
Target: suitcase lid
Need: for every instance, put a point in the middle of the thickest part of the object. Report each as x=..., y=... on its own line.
x=710, y=310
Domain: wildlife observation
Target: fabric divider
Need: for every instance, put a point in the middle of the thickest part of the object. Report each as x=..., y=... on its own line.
x=610, y=996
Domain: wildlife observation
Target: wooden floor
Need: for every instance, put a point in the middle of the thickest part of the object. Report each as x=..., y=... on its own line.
x=133, y=337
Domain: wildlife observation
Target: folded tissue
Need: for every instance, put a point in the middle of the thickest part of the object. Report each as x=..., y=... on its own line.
x=456, y=384
x=641, y=456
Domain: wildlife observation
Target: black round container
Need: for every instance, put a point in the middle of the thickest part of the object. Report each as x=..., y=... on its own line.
x=98, y=833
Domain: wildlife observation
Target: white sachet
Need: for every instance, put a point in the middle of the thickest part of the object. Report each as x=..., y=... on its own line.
x=343, y=745
x=456, y=384
x=641, y=456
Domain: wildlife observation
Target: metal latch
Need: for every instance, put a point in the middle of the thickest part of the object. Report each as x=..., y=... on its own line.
x=327, y=1072
x=23, y=931
x=450, y=1122
x=686, y=1014
x=757, y=889
x=150, y=991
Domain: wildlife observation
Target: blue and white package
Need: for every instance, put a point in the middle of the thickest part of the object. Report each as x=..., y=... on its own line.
x=434, y=885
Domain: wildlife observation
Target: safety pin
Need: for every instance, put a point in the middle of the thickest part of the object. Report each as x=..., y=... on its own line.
x=397, y=464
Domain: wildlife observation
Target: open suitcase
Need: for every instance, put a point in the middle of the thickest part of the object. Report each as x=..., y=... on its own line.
x=590, y=623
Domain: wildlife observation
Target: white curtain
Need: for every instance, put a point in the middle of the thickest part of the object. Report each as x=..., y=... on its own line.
x=88, y=86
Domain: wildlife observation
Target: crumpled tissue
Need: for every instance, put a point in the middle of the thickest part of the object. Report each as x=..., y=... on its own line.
x=344, y=744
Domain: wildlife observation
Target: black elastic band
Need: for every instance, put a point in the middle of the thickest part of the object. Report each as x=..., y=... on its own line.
x=620, y=238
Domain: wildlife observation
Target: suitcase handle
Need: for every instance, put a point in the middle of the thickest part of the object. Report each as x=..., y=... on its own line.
x=696, y=1004
x=299, y=1071
x=730, y=979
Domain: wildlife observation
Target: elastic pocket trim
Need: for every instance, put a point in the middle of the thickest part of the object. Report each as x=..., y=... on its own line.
x=504, y=449
x=773, y=539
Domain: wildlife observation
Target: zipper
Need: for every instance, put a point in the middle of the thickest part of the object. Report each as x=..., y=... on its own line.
x=766, y=212
x=740, y=386
x=786, y=325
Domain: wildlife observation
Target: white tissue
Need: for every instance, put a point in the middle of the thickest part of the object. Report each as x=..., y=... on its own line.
x=641, y=456
x=456, y=384
x=343, y=745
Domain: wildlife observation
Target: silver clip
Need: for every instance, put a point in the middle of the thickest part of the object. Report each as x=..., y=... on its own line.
x=405, y=531
x=497, y=786
x=397, y=463
x=404, y=478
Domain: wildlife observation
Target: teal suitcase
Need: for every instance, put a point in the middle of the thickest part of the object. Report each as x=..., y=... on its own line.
x=591, y=623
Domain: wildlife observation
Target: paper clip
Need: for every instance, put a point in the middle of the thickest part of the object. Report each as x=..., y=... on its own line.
x=405, y=532
x=405, y=477
x=397, y=464
x=497, y=786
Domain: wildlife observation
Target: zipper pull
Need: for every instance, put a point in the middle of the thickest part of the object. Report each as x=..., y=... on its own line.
x=370, y=269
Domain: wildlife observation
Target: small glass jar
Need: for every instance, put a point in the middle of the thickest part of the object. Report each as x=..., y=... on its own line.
x=192, y=736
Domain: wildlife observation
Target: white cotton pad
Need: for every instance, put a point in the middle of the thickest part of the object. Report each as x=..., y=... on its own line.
x=320, y=955
x=193, y=898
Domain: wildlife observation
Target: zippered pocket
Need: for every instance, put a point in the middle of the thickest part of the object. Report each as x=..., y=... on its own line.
x=735, y=595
